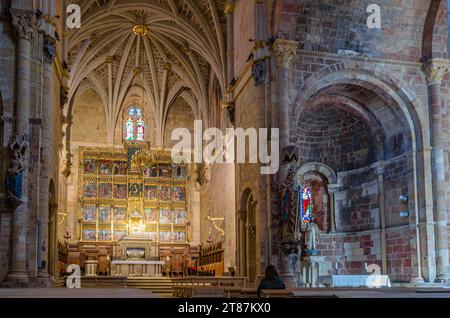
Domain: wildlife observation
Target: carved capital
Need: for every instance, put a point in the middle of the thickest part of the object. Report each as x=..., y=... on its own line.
x=435, y=70
x=229, y=7
x=284, y=51
x=25, y=23
x=334, y=188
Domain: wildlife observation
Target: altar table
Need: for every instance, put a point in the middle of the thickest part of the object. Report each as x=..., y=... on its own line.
x=137, y=268
x=370, y=281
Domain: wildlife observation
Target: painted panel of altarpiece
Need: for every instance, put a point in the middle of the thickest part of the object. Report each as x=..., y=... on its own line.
x=118, y=186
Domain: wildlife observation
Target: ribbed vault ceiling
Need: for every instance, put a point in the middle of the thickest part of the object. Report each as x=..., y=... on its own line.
x=182, y=54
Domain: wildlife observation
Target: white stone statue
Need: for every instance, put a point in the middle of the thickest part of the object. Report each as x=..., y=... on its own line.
x=312, y=236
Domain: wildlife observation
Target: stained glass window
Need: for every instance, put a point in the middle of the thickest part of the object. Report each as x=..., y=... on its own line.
x=129, y=129
x=140, y=129
x=134, y=129
x=306, y=203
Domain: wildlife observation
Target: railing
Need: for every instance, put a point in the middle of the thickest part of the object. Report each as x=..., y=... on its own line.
x=189, y=287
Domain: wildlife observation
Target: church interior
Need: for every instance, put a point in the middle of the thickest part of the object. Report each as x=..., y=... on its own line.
x=92, y=91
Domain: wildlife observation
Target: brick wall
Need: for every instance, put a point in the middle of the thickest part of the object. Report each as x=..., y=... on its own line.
x=332, y=25
x=398, y=252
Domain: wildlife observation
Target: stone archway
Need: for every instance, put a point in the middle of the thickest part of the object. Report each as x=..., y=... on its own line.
x=368, y=133
x=52, y=255
x=246, y=230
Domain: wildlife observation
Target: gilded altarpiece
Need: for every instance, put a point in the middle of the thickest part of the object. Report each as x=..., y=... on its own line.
x=132, y=192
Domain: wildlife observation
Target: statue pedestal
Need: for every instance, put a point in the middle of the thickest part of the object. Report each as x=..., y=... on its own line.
x=310, y=267
x=288, y=274
x=91, y=268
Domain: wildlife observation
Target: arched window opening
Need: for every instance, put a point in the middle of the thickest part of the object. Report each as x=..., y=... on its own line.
x=140, y=129
x=306, y=203
x=134, y=126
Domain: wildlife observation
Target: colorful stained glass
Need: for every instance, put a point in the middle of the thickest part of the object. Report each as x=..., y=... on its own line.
x=129, y=129
x=140, y=130
x=306, y=203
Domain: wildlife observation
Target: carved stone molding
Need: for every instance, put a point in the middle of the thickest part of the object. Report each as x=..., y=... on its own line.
x=284, y=51
x=435, y=70
x=25, y=23
x=230, y=6
x=334, y=188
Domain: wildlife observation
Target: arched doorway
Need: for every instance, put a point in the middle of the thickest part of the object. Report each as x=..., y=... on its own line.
x=246, y=243
x=51, y=229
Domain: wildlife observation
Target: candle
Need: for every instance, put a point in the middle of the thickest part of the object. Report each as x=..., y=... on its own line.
x=335, y=266
x=366, y=267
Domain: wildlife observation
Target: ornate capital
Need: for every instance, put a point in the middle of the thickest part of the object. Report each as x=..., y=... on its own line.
x=284, y=51
x=229, y=7
x=25, y=23
x=435, y=70
x=334, y=188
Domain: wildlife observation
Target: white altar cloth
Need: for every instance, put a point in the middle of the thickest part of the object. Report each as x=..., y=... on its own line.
x=138, y=263
x=136, y=268
x=370, y=281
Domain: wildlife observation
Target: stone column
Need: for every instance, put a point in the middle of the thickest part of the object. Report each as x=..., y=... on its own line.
x=332, y=189
x=46, y=156
x=229, y=13
x=242, y=241
x=435, y=70
x=284, y=51
x=25, y=24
